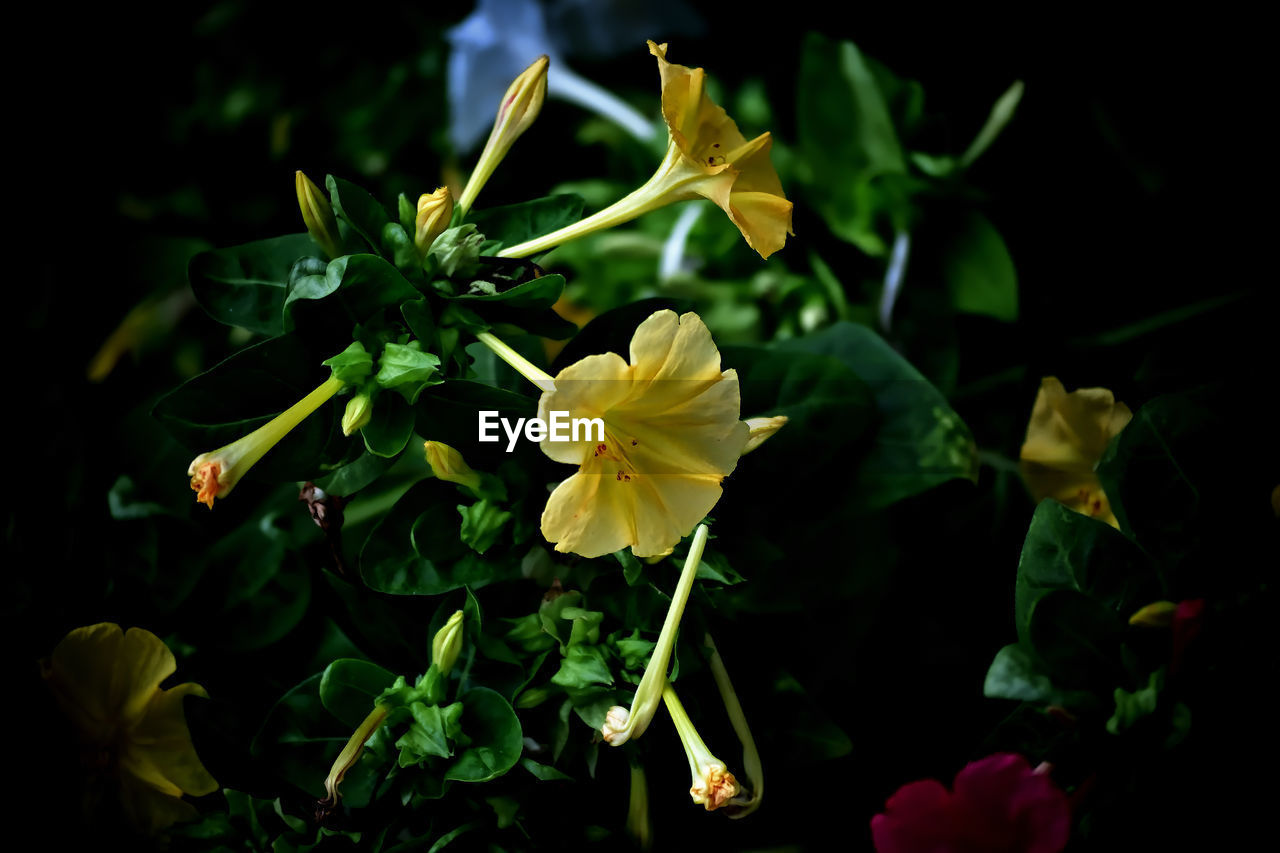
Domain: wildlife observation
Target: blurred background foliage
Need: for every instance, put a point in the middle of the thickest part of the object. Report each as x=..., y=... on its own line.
x=1105, y=237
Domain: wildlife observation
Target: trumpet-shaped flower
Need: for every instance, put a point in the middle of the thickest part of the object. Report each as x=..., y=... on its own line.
x=1066, y=437
x=107, y=682
x=215, y=474
x=712, y=785
x=671, y=433
x=708, y=157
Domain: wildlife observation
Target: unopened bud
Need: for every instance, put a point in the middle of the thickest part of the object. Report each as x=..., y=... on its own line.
x=519, y=108
x=615, y=729
x=1158, y=614
x=448, y=465
x=434, y=212
x=447, y=644
x=761, y=429
x=317, y=213
x=358, y=413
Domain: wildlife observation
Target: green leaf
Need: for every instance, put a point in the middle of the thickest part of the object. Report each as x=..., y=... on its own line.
x=584, y=667
x=349, y=687
x=456, y=252
x=399, y=246
x=353, y=289
x=482, y=523
x=417, y=315
x=517, y=223
x=631, y=568
x=539, y=293
x=390, y=428
x=1133, y=707
x=356, y=475
x=1065, y=550
x=449, y=413
x=1001, y=113
x=544, y=772
x=247, y=390
x=417, y=549
x=979, y=271
x=246, y=285
x=358, y=209
x=432, y=733
x=919, y=441
x=496, y=738
x=407, y=369
x=1015, y=674
x=352, y=366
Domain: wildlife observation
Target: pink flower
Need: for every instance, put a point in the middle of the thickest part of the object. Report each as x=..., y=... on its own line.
x=997, y=805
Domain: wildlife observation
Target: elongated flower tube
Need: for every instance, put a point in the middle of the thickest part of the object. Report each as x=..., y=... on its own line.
x=712, y=785
x=349, y=756
x=708, y=157
x=639, y=827
x=317, y=213
x=519, y=108
x=622, y=724
x=215, y=474
x=740, y=806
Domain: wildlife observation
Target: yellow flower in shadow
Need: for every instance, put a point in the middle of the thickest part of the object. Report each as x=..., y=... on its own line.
x=1066, y=437
x=707, y=157
x=668, y=433
x=107, y=682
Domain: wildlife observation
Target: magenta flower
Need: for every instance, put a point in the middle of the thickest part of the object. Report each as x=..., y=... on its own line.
x=997, y=805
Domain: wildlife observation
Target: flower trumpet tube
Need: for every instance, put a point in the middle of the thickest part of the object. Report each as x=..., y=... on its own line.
x=622, y=724
x=349, y=756
x=712, y=785
x=739, y=806
x=520, y=107
x=708, y=157
x=215, y=474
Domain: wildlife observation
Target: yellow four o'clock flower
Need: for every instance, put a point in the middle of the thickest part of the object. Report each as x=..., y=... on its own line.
x=1066, y=438
x=671, y=434
x=107, y=682
x=707, y=157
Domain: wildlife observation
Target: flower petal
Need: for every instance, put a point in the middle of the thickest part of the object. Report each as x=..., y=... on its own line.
x=763, y=219
x=144, y=662
x=1071, y=431
x=665, y=347
x=159, y=749
x=585, y=389
x=590, y=513
x=668, y=507
x=82, y=671
x=150, y=810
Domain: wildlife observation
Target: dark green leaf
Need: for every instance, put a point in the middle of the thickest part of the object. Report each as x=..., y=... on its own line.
x=391, y=426
x=348, y=688
x=407, y=369
x=358, y=209
x=496, y=737
x=979, y=271
x=517, y=223
x=246, y=285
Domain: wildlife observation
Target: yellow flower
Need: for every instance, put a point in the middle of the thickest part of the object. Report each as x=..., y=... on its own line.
x=1066, y=437
x=107, y=682
x=708, y=157
x=671, y=433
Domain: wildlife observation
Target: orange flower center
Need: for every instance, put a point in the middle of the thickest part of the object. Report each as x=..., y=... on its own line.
x=205, y=483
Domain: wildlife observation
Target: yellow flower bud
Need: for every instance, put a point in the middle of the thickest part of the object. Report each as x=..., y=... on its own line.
x=434, y=212
x=317, y=213
x=358, y=413
x=761, y=430
x=447, y=644
x=1157, y=614
x=447, y=464
x=520, y=106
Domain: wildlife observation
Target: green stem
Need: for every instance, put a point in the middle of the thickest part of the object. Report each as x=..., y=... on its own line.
x=750, y=754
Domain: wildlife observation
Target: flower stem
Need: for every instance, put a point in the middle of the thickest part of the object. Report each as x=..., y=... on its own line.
x=666, y=185
x=750, y=755
x=519, y=363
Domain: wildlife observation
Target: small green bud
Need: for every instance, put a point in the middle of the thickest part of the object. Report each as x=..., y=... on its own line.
x=351, y=366
x=447, y=644
x=358, y=413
